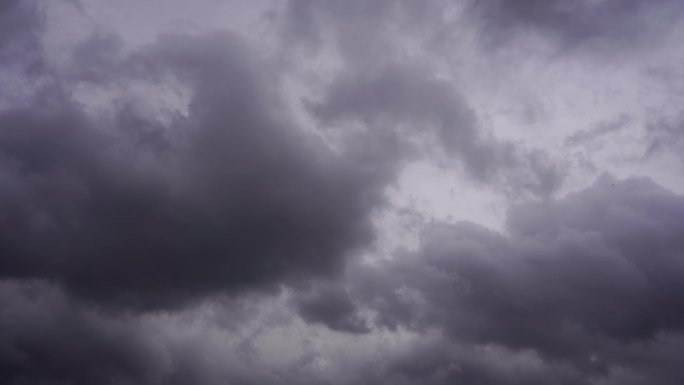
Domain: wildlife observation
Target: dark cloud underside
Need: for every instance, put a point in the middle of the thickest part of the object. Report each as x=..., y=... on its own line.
x=244, y=202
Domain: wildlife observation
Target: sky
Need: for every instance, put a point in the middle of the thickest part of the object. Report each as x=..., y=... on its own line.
x=404, y=192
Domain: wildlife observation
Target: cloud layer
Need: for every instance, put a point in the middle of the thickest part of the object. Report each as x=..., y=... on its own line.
x=231, y=203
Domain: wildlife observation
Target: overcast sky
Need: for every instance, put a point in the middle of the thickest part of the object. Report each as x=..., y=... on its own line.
x=341, y=192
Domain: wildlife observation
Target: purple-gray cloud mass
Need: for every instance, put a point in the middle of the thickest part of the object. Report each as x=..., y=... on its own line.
x=241, y=200
x=211, y=206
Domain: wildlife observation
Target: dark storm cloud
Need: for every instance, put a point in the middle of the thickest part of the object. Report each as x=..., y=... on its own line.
x=46, y=339
x=108, y=217
x=419, y=106
x=331, y=306
x=593, y=280
x=242, y=200
x=619, y=23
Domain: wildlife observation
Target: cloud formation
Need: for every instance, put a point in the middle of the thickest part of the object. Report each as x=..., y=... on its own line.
x=592, y=281
x=611, y=23
x=244, y=201
x=405, y=100
x=191, y=201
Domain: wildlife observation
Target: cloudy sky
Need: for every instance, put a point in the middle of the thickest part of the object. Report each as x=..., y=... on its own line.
x=404, y=192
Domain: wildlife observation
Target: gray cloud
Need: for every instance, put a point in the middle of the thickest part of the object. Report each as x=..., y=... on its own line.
x=663, y=136
x=244, y=201
x=331, y=306
x=618, y=23
x=47, y=339
x=437, y=362
x=21, y=25
x=593, y=280
x=359, y=27
x=600, y=130
x=366, y=30
x=144, y=247
x=417, y=105
x=17, y=22
x=380, y=87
